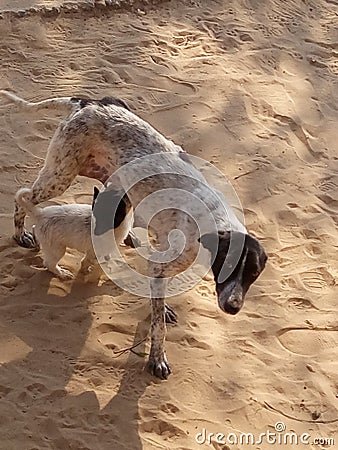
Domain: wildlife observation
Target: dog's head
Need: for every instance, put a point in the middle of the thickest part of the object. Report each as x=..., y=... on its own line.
x=237, y=261
x=109, y=209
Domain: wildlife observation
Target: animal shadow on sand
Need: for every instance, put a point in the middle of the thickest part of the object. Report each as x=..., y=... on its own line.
x=50, y=333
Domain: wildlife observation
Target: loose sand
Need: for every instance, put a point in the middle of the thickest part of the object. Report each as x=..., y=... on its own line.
x=251, y=86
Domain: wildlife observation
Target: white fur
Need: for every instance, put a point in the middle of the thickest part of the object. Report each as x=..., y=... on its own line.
x=68, y=226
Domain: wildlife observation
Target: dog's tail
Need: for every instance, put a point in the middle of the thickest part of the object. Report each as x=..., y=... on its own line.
x=23, y=199
x=67, y=103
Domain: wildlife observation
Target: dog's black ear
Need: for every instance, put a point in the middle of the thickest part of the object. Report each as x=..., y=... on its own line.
x=211, y=241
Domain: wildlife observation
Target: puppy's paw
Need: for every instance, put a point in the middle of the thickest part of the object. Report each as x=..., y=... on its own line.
x=65, y=274
x=159, y=367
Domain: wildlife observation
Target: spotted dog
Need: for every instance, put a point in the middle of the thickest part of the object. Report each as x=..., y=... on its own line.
x=97, y=138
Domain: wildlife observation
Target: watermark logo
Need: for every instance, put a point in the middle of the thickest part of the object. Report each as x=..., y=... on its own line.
x=280, y=427
x=278, y=437
x=178, y=199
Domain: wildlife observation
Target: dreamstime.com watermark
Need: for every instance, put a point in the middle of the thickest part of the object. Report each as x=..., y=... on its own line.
x=278, y=437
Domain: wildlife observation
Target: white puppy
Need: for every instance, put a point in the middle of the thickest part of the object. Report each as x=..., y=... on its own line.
x=69, y=226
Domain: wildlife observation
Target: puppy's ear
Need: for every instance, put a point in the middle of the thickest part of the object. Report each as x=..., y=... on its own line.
x=96, y=193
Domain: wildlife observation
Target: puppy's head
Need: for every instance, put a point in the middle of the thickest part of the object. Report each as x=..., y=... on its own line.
x=237, y=261
x=109, y=209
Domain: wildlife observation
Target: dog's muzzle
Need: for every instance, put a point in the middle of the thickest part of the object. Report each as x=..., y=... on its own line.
x=230, y=297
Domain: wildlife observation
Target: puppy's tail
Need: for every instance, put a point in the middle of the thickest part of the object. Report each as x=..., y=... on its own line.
x=68, y=103
x=23, y=199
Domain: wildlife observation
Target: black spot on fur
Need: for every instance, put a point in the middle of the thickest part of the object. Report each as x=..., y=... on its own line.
x=83, y=101
x=105, y=101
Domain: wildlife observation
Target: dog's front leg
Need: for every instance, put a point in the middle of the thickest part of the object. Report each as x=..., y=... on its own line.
x=158, y=364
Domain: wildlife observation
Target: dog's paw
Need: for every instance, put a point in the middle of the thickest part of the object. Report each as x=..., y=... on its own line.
x=26, y=240
x=159, y=367
x=65, y=274
x=170, y=315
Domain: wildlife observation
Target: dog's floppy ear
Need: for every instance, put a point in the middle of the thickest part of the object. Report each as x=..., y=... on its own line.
x=211, y=241
x=96, y=193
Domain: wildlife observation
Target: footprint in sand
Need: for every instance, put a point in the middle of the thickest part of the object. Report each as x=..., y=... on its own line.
x=112, y=336
x=306, y=342
x=37, y=390
x=9, y=282
x=329, y=185
x=162, y=428
x=191, y=341
x=329, y=199
x=313, y=250
x=298, y=303
x=205, y=290
x=169, y=408
x=4, y=391
x=317, y=279
x=42, y=129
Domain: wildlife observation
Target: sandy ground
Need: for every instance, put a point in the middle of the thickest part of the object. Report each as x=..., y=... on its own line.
x=251, y=86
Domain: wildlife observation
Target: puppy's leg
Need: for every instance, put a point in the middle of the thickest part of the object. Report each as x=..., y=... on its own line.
x=51, y=257
x=50, y=183
x=158, y=364
x=88, y=262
